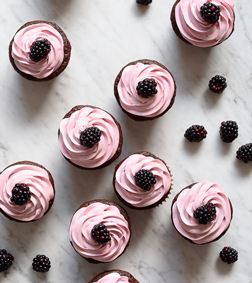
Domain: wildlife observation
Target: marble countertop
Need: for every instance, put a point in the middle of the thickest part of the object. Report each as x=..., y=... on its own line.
x=105, y=36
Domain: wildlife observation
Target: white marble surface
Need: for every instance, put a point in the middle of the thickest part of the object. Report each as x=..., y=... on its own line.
x=106, y=35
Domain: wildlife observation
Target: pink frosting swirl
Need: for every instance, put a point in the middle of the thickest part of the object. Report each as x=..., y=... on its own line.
x=190, y=199
x=199, y=32
x=84, y=221
x=41, y=189
x=130, y=192
x=69, y=137
x=113, y=277
x=21, y=50
x=137, y=105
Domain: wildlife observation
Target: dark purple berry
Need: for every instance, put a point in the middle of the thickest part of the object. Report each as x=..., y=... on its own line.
x=20, y=194
x=146, y=88
x=41, y=263
x=6, y=260
x=210, y=12
x=90, y=137
x=244, y=153
x=144, y=2
x=228, y=131
x=100, y=234
x=217, y=84
x=195, y=133
x=205, y=213
x=229, y=255
x=145, y=179
x=39, y=50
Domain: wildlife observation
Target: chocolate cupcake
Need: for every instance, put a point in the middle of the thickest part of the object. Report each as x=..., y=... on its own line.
x=39, y=51
x=145, y=89
x=100, y=231
x=142, y=180
x=203, y=23
x=114, y=276
x=201, y=212
x=26, y=191
x=89, y=137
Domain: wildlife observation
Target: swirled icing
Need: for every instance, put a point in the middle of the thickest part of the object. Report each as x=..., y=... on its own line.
x=84, y=221
x=41, y=189
x=130, y=192
x=113, y=277
x=199, y=32
x=69, y=138
x=137, y=105
x=21, y=50
x=190, y=199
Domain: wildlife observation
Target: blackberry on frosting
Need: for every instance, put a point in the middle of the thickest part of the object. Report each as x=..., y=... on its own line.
x=20, y=194
x=210, y=12
x=39, y=50
x=145, y=179
x=146, y=88
x=100, y=234
x=90, y=137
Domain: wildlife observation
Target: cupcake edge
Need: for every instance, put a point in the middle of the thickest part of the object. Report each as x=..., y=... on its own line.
x=107, y=272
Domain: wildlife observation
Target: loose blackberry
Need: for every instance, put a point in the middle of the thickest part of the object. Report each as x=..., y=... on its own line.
x=20, y=194
x=195, y=133
x=100, y=234
x=205, y=213
x=145, y=179
x=41, y=263
x=229, y=255
x=217, y=84
x=144, y=2
x=244, y=153
x=6, y=260
x=210, y=12
x=228, y=131
x=39, y=49
x=147, y=88
x=90, y=137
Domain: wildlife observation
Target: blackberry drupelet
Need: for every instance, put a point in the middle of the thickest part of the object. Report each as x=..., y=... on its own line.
x=205, y=213
x=244, y=153
x=210, y=12
x=195, y=133
x=20, y=194
x=90, y=137
x=144, y=2
x=100, y=234
x=146, y=88
x=6, y=260
x=39, y=50
x=229, y=255
x=145, y=179
x=217, y=84
x=41, y=263
x=228, y=131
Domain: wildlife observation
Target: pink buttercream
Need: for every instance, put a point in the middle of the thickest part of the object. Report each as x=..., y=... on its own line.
x=69, y=137
x=137, y=105
x=113, y=278
x=21, y=50
x=199, y=32
x=84, y=221
x=130, y=192
x=41, y=189
x=190, y=199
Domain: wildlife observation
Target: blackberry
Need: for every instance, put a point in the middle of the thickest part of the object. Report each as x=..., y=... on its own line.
x=41, y=263
x=39, y=50
x=210, y=12
x=90, y=137
x=146, y=88
x=195, y=133
x=100, y=234
x=205, y=213
x=144, y=2
x=228, y=131
x=229, y=255
x=217, y=84
x=20, y=194
x=6, y=260
x=244, y=153
x=145, y=179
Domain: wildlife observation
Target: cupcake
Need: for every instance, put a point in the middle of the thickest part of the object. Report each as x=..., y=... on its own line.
x=100, y=231
x=26, y=191
x=89, y=137
x=114, y=276
x=53, y=55
x=203, y=23
x=145, y=89
x=142, y=180
x=201, y=212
